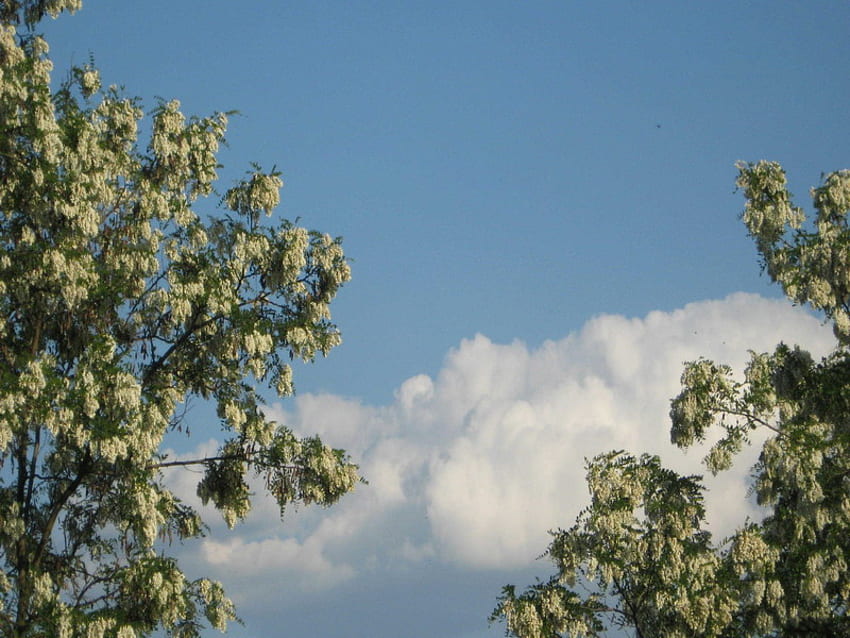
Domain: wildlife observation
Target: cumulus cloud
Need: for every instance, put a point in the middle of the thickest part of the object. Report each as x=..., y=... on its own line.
x=474, y=466
x=249, y=558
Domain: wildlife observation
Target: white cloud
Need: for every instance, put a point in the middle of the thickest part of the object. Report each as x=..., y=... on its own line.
x=474, y=466
x=261, y=558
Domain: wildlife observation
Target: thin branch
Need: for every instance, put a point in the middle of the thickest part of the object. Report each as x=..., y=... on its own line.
x=753, y=417
x=633, y=611
x=32, y=475
x=58, y=505
x=212, y=459
x=202, y=461
x=192, y=329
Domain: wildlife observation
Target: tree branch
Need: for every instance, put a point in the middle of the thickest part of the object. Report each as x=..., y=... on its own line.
x=212, y=459
x=58, y=504
x=752, y=417
x=201, y=461
x=633, y=611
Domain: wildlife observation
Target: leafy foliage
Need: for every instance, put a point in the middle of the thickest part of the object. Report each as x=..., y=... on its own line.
x=641, y=546
x=120, y=304
x=640, y=550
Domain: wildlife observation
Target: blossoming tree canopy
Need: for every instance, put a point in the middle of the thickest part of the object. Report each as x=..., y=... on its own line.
x=121, y=300
x=640, y=553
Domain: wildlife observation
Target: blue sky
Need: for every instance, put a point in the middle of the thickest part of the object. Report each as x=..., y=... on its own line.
x=554, y=177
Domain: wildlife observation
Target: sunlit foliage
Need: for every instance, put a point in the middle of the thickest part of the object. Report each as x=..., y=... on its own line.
x=639, y=557
x=123, y=298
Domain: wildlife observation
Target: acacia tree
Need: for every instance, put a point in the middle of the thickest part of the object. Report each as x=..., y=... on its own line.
x=639, y=556
x=120, y=303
